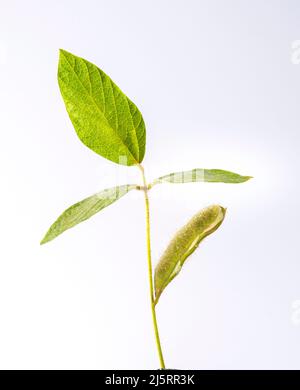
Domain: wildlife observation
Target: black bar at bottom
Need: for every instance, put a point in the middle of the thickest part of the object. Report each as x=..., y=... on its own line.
x=142, y=378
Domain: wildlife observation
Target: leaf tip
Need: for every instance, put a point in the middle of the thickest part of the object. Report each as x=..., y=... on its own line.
x=44, y=240
x=63, y=54
x=47, y=237
x=62, y=51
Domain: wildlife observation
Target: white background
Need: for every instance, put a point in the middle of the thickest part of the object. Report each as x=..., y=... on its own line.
x=218, y=85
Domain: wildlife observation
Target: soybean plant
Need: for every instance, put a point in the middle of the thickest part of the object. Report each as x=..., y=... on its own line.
x=111, y=125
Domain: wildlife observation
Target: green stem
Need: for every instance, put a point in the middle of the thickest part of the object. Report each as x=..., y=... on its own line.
x=150, y=273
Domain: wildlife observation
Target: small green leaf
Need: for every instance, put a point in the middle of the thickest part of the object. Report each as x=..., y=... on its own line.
x=104, y=118
x=85, y=209
x=202, y=175
x=184, y=243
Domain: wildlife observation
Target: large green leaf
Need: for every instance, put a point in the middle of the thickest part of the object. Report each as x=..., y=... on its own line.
x=184, y=243
x=85, y=209
x=104, y=118
x=202, y=175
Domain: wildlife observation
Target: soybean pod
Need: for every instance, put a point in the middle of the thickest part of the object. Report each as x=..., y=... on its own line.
x=184, y=243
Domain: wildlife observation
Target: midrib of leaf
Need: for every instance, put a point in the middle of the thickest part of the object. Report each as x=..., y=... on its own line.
x=114, y=100
x=99, y=201
x=99, y=110
x=84, y=213
x=102, y=90
x=135, y=134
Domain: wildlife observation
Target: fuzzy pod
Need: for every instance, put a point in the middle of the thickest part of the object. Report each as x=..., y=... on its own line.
x=184, y=243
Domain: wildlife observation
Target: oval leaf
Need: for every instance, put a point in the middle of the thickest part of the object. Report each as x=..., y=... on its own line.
x=202, y=175
x=184, y=244
x=104, y=118
x=85, y=209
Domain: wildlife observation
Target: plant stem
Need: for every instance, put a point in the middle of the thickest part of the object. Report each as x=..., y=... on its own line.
x=150, y=273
